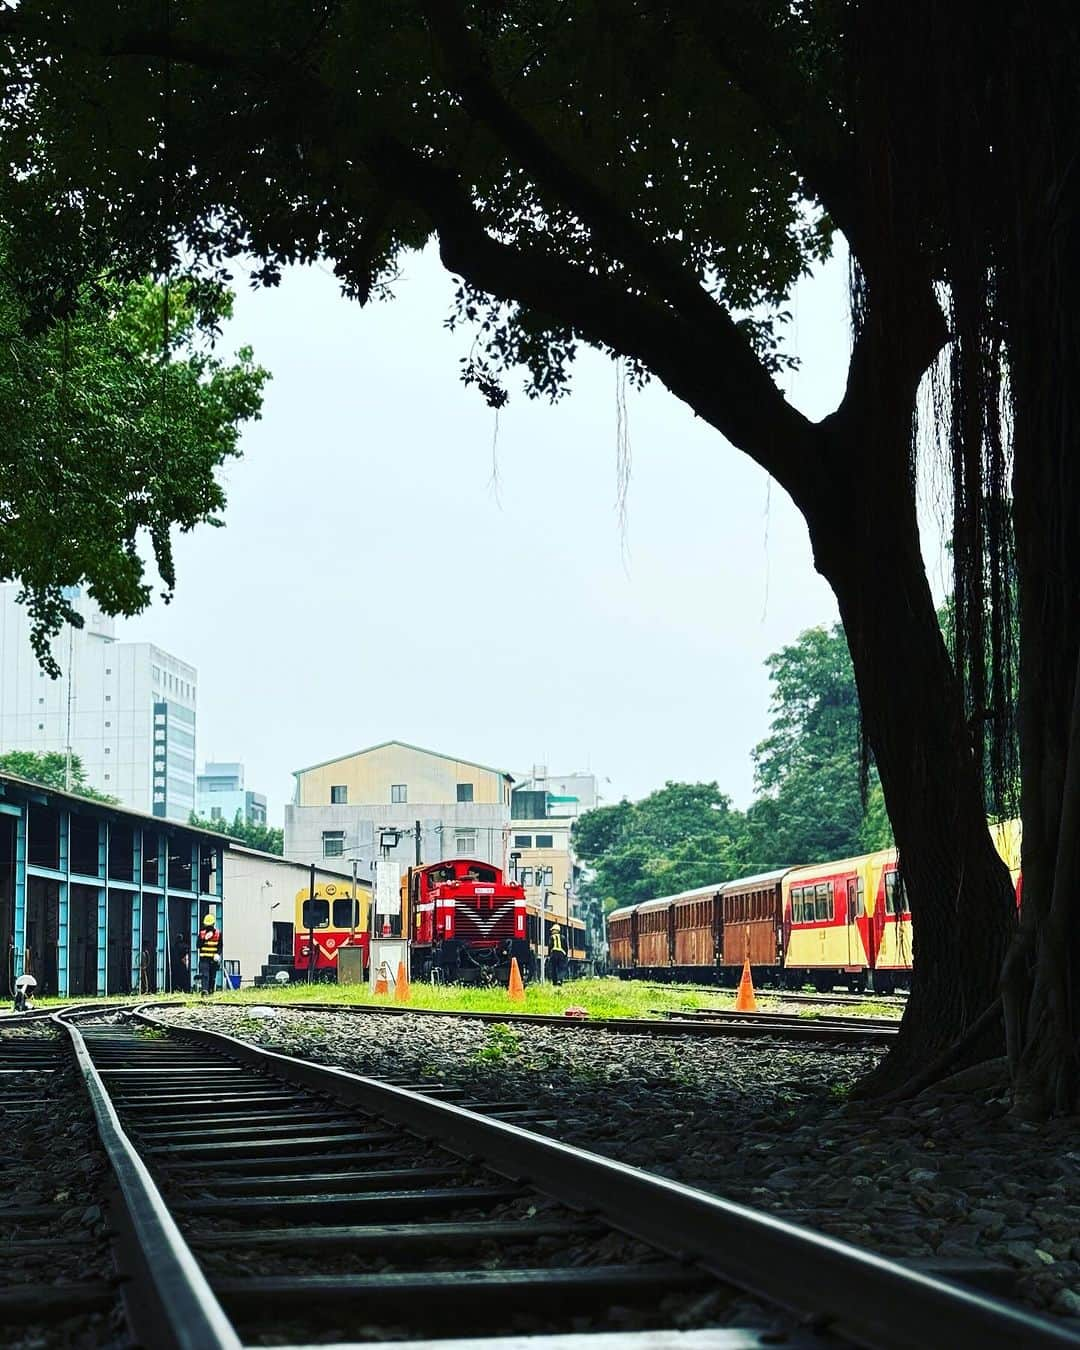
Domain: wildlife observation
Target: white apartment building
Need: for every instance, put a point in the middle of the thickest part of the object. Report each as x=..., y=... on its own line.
x=220, y=795
x=127, y=709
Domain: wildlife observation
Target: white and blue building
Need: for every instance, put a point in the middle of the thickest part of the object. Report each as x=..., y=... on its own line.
x=220, y=795
x=96, y=899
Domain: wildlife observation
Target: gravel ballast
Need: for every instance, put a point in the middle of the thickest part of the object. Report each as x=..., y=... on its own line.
x=763, y=1122
x=51, y=1197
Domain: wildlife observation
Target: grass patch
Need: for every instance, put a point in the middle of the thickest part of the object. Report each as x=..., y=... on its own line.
x=601, y=998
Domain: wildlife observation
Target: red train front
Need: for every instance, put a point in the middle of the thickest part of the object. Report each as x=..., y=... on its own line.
x=467, y=921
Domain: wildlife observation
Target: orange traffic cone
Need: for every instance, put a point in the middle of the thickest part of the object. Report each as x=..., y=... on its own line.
x=744, y=999
x=382, y=985
x=516, y=990
x=401, y=984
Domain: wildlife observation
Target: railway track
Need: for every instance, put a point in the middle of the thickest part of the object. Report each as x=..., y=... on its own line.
x=56, y=1267
x=722, y=1023
x=793, y=995
x=874, y=1027
x=261, y=1199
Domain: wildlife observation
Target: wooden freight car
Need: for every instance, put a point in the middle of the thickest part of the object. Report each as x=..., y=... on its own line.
x=622, y=938
x=655, y=936
x=752, y=924
x=696, y=921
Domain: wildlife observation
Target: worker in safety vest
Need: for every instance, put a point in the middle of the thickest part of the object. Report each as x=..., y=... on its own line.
x=557, y=954
x=209, y=944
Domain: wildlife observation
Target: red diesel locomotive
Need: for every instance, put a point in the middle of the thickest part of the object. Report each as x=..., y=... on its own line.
x=468, y=921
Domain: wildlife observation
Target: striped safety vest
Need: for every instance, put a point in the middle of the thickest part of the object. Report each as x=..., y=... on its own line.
x=209, y=941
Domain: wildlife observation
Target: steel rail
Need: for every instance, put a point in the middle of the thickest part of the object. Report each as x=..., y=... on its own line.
x=864, y=1297
x=779, y=1017
x=785, y=995
x=795, y=1029
x=170, y=1303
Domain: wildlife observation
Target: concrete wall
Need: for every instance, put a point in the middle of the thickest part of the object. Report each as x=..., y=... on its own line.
x=446, y=831
x=369, y=776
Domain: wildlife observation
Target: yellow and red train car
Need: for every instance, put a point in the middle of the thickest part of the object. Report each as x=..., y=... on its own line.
x=846, y=921
x=325, y=922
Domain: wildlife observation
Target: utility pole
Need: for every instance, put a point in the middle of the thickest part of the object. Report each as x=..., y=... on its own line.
x=543, y=931
x=70, y=697
x=355, y=903
x=311, y=923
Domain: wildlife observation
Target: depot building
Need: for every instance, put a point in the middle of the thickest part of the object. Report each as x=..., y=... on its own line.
x=96, y=899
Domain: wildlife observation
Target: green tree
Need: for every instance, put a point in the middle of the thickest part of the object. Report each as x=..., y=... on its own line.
x=117, y=417
x=50, y=770
x=681, y=836
x=650, y=177
x=807, y=769
x=269, y=838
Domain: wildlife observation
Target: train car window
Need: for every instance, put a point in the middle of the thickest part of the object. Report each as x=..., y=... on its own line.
x=346, y=912
x=896, y=901
x=316, y=914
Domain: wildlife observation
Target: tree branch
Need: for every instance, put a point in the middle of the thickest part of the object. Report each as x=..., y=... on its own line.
x=762, y=67
x=614, y=229
x=155, y=43
x=722, y=381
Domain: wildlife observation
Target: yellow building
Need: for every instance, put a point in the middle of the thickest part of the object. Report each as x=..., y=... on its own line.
x=397, y=774
x=541, y=858
x=398, y=802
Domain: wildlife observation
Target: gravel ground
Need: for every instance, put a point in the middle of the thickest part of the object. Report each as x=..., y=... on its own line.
x=758, y=1121
x=52, y=1160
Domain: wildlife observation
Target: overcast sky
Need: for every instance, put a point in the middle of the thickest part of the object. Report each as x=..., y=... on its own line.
x=373, y=582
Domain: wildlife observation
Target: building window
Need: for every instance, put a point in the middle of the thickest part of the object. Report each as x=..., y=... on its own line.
x=108, y=670
x=41, y=700
x=108, y=698
x=464, y=792
x=465, y=842
x=41, y=726
x=106, y=778
x=108, y=724
x=215, y=813
x=545, y=841
x=523, y=841
x=545, y=876
x=526, y=876
x=399, y=793
x=333, y=843
x=107, y=751
x=339, y=795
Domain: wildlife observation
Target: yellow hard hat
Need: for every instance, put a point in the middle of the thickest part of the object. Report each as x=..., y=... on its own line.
x=208, y=918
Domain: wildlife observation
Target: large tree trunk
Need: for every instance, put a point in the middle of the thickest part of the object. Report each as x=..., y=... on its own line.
x=963, y=911
x=1042, y=997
